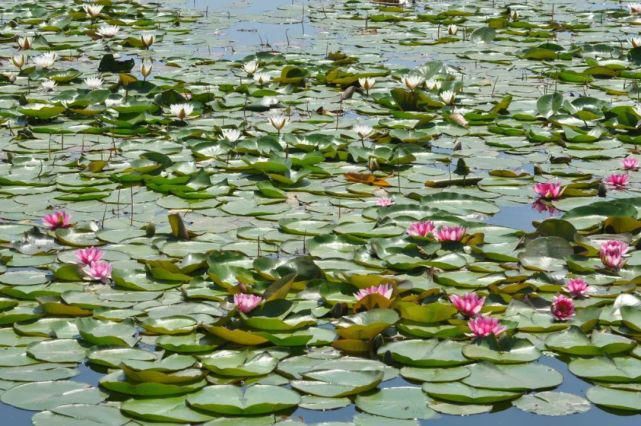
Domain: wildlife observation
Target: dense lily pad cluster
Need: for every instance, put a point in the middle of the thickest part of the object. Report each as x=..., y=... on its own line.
x=303, y=229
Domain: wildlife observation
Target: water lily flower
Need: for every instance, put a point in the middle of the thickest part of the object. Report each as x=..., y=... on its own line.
x=459, y=119
x=448, y=97
x=18, y=60
x=94, y=83
x=483, y=326
x=432, y=84
x=450, y=233
x=630, y=163
x=562, y=308
x=635, y=42
x=617, y=180
x=421, y=229
x=384, y=202
x=412, y=81
x=98, y=271
x=577, y=287
x=548, y=190
x=57, y=219
x=107, y=31
x=246, y=303
x=232, y=135
x=262, y=78
x=147, y=39
x=469, y=304
x=634, y=8
x=92, y=10
x=25, y=43
x=514, y=15
x=48, y=85
x=362, y=130
x=145, y=69
x=384, y=290
x=278, y=121
x=46, y=60
x=452, y=29
x=181, y=111
x=87, y=256
x=611, y=253
x=250, y=67
x=367, y=83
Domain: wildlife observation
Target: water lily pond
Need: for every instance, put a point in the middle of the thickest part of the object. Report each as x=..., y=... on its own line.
x=345, y=212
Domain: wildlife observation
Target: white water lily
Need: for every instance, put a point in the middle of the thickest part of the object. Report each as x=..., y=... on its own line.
x=634, y=8
x=459, y=119
x=412, y=81
x=250, y=67
x=108, y=31
x=147, y=39
x=25, y=43
x=635, y=42
x=181, y=111
x=362, y=130
x=278, y=121
x=94, y=82
x=145, y=69
x=262, y=78
x=92, y=10
x=48, y=85
x=46, y=60
x=448, y=97
x=432, y=84
x=19, y=60
x=452, y=29
x=514, y=15
x=367, y=83
x=232, y=135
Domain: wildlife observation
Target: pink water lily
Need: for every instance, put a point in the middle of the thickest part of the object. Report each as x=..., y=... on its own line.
x=468, y=304
x=630, y=163
x=562, y=308
x=246, y=303
x=87, y=256
x=450, y=233
x=57, y=219
x=384, y=202
x=421, y=229
x=577, y=287
x=384, y=290
x=549, y=190
x=612, y=252
x=98, y=271
x=617, y=180
x=483, y=326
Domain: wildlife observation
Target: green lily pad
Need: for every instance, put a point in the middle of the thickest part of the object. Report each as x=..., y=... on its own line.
x=250, y=401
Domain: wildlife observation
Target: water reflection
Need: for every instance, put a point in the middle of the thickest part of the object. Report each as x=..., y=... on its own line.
x=521, y=216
